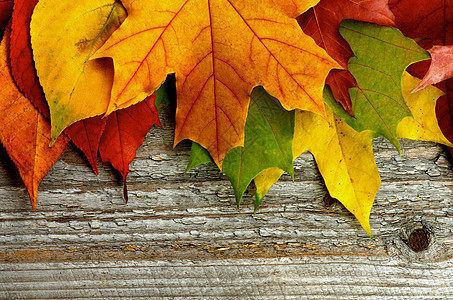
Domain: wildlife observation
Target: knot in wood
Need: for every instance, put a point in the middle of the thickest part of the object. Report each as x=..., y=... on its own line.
x=419, y=239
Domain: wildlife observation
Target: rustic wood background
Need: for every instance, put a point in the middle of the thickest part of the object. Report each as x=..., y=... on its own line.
x=181, y=236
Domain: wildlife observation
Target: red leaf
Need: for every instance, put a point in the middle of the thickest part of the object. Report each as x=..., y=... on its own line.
x=322, y=23
x=441, y=67
x=340, y=81
x=430, y=19
x=86, y=135
x=444, y=109
x=6, y=8
x=125, y=132
x=22, y=65
x=425, y=19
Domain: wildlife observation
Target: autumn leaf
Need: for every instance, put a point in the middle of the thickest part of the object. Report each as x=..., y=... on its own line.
x=86, y=135
x=269, y=132
x=424, y=19
x=124, y=134
x=64, y=35
x=22, y=65
x=198, y=156
x=6, y=9
x=379, y=105
x=228, y=48
x=322, y=23
x=441, y=67
x=444, y=112
x=24, y=132
x=344, y=157
x=423, y=126
x=340, y=81
x=432, y=19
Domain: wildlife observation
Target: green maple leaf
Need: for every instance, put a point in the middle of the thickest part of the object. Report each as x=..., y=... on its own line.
x=269, y=132
x=198, y=156
x=382, y=54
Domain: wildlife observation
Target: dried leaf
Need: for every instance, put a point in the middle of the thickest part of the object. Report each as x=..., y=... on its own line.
x=86, y=135
x=322, y=22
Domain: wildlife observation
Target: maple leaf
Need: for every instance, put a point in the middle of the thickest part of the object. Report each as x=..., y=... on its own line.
x=322, y=22
x=423, y=126
x=24, y=133
x=340, y=81
x=269, y=132
x=344, y=157
x=77, y=88
x=124, y=134
x=22, y=65
x=219, y=51
x=85, y=134
x=378, y=103
x=432, y=19
x=198, y=156
x=441, y=67
x=6, y=8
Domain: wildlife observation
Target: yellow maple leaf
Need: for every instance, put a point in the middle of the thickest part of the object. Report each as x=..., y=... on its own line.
x=219, y=50
x=345, y=157
x=345, y=160
x=64, y=34
x=422, y=104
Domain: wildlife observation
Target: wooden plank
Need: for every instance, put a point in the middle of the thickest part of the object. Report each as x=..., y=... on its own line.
x=292, y=278
x=181, y=235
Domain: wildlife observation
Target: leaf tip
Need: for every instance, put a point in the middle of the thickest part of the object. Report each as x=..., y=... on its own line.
x=33, y=199
x=126, y=196
x=366, y=226
x=33, y=204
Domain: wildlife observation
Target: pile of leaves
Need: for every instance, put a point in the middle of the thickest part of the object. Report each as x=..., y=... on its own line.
x=257, y=84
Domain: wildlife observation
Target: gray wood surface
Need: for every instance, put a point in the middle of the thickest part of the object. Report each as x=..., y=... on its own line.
x=181, y=235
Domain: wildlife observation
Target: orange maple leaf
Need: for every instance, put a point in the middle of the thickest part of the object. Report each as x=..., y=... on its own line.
x=219, y=50
x=24, y=132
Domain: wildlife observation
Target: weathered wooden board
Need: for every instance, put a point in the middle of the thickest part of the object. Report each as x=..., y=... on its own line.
x=181, y=235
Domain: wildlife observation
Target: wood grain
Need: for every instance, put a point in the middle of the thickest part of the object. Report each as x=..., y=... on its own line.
x=181, y=235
